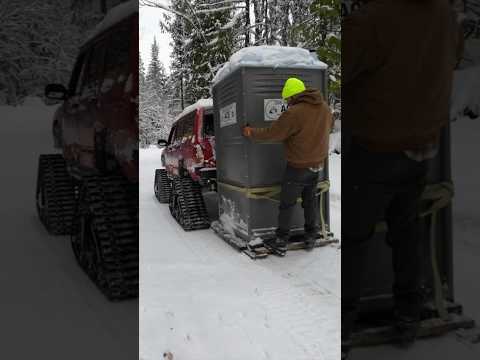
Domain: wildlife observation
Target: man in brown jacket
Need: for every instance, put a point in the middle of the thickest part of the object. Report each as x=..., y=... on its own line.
x=398, y=58
x=304, y=130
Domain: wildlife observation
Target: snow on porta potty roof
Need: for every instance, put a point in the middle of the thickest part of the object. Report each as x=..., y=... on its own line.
x=270, y=56
x=115, y=15
x=202, y=103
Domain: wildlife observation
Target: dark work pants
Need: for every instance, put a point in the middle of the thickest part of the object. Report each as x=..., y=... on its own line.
x=298, y=183
x=375, y=187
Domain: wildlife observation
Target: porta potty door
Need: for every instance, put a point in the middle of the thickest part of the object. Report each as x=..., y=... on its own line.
x=249, y=173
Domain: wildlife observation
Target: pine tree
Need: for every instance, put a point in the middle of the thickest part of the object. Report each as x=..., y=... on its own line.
x=154, y=100
x=202, y=41
x=142, y=79
x=206, y=32
x=320, y=30
x=155, y=77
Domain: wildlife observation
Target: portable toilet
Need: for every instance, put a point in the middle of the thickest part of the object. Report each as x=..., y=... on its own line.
x=247, y=90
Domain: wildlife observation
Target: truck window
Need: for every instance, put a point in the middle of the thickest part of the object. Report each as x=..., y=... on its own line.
x=93, y=74
x=172, y=135
x=117, y=56
x=77, y=75
x=208, y=125
x=178, y=131
x=188, y=123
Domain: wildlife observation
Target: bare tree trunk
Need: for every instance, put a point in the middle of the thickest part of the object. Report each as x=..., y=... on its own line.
x=247, y=23
x=272, y=12
x=285, y=9
x=257, y=10
x=265, y=21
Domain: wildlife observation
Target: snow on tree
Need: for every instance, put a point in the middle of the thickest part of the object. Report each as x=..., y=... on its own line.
x=141, y=71
x=39, y=41
x=156, y=76
x=206, y=32
x=201, y=43
x=154, y=109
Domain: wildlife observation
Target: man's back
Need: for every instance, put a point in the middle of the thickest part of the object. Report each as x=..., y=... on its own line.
x=398, y=62
x=304, y=128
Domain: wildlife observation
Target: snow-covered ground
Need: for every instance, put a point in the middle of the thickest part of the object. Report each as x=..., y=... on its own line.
x=49, y=309
x=203, y=300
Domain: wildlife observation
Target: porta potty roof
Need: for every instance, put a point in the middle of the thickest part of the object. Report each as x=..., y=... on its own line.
x=202, y=103
x=269, y=56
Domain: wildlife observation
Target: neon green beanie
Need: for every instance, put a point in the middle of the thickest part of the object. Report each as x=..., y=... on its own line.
x=293, y=86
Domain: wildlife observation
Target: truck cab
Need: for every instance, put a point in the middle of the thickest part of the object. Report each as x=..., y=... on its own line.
x=190, y=148
x=96, y=127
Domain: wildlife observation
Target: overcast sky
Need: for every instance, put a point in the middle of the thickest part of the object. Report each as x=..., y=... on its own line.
x=149, y=27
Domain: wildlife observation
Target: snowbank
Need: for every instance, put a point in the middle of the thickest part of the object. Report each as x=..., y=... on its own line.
x=205, y=103
x=465, y=95
x=115, y=15
x=269, y=56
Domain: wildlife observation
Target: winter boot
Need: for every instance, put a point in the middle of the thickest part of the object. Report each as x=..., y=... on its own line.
x=407, y=317
x=310, y=242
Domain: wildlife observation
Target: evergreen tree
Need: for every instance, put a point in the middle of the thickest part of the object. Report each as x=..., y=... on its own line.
x=323, y=33
x=141, y=71
x=206, y=32
x=201, y=42
x=154, y=110
x=155, y=77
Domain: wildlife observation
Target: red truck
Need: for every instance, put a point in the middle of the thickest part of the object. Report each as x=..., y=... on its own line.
x=189, y=165
x=89, y=188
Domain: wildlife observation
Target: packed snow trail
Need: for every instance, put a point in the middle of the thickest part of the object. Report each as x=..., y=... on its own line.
x=49, y=308
x=201, y=299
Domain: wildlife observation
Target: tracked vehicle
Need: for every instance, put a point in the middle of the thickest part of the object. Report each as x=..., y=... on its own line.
x=189, y=165
x=88, y=189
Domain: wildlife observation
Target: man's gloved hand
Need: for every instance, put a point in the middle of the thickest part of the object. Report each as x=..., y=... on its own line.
x=247, y=131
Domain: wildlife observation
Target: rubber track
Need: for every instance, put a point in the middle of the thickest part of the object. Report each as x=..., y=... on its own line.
x=60, y=194
x=113, y=204
x=189, y=208
x=162, y=186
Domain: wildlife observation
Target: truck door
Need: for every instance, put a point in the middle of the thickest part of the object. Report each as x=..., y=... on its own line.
x=115, y=139
x=67, y=127
x=175, y=149
x=86, y=112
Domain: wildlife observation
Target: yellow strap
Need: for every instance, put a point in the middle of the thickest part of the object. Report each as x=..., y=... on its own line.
x=439, y=194
x=271, y=192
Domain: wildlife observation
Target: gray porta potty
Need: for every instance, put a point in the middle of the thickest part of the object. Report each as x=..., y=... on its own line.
x=252, y=95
